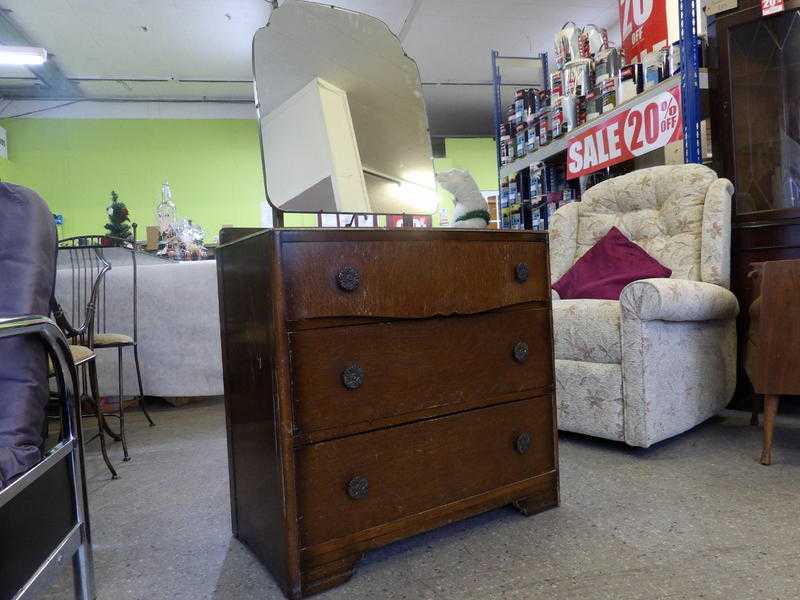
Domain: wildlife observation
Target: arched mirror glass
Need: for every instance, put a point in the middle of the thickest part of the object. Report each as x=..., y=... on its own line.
x=342, y=117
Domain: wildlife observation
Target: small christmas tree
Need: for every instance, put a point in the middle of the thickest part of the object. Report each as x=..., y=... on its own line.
x=117, y=217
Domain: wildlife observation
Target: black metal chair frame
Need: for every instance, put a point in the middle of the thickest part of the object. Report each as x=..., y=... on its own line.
x=48, y=503
x=100, y=242
x=85, y=298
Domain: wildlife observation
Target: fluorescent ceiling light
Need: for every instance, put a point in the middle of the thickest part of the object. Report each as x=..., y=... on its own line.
x=22, y=55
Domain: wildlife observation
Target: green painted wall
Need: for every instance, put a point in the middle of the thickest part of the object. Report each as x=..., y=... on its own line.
x=213, y=166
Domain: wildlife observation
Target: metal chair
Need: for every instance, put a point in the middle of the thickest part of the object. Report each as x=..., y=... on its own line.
x=88, y=269
x=102, y=338
x=105, y=339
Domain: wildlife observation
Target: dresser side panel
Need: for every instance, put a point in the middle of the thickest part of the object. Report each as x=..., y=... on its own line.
x=252, y=414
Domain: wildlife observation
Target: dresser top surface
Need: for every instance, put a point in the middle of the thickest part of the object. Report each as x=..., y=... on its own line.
x=231, y=235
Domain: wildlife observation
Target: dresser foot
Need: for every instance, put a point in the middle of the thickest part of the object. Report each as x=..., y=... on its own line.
x=323, y=577
x=537, y=502
x=530, y=506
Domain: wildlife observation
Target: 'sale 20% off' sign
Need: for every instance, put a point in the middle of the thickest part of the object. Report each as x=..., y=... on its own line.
x=644, y=127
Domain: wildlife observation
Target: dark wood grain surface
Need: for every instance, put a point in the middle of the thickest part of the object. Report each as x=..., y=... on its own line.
x=776, y=335
x=441, y=400
x=415, y=467
x=773, y=339
x=758, y=235
x=251, y=412
x=416, y=278
x=435, y=363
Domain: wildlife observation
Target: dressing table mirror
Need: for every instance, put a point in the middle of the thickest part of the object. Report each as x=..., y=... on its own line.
x=378, y=383
x=341, y=114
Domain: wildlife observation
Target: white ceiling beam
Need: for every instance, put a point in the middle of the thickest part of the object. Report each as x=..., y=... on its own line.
x=409, y=20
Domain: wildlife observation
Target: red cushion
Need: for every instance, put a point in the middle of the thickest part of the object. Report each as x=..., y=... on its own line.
x=611, y=264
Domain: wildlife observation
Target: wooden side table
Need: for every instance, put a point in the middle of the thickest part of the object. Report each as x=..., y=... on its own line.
x=772, y=359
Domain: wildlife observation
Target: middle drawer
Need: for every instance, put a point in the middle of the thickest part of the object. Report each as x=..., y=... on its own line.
x=350, y=375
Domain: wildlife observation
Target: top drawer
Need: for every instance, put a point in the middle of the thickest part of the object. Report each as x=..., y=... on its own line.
x=412, y=278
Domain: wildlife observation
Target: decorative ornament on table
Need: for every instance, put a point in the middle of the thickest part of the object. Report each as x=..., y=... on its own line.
x=118, y=218
x=166, y=213
x=180, y=239
x=471, y=210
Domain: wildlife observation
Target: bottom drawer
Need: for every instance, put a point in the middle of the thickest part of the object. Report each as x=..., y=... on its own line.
x=354, y=483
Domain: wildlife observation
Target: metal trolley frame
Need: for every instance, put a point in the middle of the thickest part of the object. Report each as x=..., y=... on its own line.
x=43, y=514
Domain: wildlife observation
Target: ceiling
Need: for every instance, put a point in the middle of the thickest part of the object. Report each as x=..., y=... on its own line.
x=200, y=50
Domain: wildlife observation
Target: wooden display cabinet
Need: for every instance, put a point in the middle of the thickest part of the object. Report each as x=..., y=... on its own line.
x=756, y=125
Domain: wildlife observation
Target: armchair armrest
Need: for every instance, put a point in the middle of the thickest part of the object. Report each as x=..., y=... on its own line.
x=677, y=300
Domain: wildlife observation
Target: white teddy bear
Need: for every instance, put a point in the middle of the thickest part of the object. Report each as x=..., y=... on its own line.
x=471, y=210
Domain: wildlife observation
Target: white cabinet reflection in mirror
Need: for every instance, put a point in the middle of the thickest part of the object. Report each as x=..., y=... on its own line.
x=323, y=169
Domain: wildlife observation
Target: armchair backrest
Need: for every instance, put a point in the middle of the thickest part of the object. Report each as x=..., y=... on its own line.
x=680, y=214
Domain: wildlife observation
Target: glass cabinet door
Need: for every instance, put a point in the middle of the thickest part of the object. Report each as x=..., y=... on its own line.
x=765, y=103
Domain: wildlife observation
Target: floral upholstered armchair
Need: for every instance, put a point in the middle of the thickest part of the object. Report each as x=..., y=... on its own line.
x=663, y=358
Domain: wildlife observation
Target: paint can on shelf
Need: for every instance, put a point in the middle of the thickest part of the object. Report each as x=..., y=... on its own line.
x=581, y=111
x=556, y=120
x=544, y=126
x=569, y=107
x=522, y=139
x=533, y=134
x=674, y=59
x=519, y=107
x=578, y=77
x=511, y=117
x=594, y=103
x=556, y=85
x=609, y=95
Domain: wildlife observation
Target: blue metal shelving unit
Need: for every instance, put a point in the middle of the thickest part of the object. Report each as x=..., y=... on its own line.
x=690, y=81
x=498, y=109
x=497, y=88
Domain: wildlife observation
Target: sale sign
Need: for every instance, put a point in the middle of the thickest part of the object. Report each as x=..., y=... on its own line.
x=647, y=126
x=643, y=24
x=770, y=7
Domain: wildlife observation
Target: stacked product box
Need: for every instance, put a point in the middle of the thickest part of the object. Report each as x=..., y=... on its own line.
x=584, y=81
x=548, y=191
x=520, y=131
x=582, y=85
x=590, y=77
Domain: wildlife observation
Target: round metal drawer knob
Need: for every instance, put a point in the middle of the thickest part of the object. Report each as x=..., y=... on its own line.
x=521, y=272
x=523, y=442
x=358, y=487
x=520, y=352
x=348, y=279
x=353, y=377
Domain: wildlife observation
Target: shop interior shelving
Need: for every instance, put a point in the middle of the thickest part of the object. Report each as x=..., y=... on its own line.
x=510, y=73
x=691, y=77
x=559, y=144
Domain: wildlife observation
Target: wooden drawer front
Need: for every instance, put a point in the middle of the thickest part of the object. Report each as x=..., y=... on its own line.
x=417, y=365
x=358, y=482
x=410, y=279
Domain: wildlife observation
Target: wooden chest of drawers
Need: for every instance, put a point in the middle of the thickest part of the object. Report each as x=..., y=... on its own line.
x=379, y=384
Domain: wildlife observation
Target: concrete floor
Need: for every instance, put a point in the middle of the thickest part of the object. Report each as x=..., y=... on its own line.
x=694, y=517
